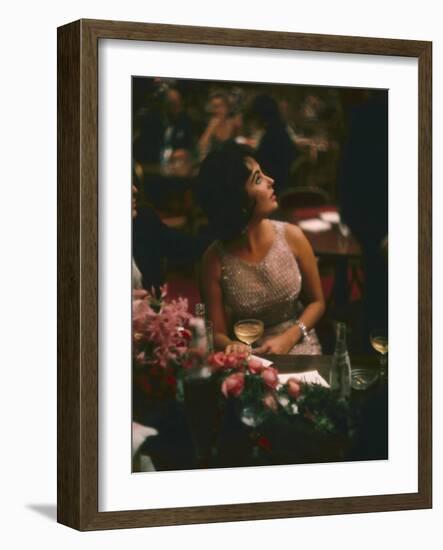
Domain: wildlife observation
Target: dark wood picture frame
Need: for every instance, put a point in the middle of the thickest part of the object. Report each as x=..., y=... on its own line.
x=77, y=480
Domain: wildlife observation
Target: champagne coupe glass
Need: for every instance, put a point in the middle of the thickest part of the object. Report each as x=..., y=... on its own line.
x=379, y=341
x=249, y=331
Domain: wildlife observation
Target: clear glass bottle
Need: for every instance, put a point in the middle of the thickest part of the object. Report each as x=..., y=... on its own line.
x=340, y=374
x=199, y=336
x=200, y=313
x=200, y=395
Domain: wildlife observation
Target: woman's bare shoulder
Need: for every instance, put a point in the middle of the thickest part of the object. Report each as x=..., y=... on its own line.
x=294, y=233
x=296, y=238
x=211, y=260
x=212, y=253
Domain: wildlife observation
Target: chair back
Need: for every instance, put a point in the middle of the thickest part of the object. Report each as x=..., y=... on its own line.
x=303, y=197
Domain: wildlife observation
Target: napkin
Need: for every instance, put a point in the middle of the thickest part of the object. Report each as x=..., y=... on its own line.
x=331, y=217
x=309, y=377
x=139, y=434
x=314, y=225
x=265, y=362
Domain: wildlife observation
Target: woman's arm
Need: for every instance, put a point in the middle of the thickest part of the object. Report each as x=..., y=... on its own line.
x=212, y=296
x=311, y=283
x=312, y=293
x=205, y=138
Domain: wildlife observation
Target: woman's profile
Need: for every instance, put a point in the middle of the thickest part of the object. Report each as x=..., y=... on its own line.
x=259, y=268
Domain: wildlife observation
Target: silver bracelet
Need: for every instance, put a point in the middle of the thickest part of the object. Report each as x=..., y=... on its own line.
x=302, y=328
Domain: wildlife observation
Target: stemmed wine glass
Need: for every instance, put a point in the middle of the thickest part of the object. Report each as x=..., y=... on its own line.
x=249, y=331
x=379, y=341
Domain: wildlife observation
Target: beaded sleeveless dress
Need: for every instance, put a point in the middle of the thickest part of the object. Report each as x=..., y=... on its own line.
x=268, y=290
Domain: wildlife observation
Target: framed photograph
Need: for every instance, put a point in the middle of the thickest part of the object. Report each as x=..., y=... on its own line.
x=226, y=202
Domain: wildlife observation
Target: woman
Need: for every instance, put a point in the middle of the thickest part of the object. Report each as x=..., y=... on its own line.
x=257, y=268
x=222, y=126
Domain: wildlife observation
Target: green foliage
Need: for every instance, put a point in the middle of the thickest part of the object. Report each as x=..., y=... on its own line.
x=255, y=388
x=325, y=409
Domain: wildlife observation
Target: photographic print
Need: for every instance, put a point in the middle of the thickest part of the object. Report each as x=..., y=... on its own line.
x=223, y=274
x=259, y=274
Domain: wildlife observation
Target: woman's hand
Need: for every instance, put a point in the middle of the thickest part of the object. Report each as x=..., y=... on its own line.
x=276, y=345
x=213, y=123
x=237, y=347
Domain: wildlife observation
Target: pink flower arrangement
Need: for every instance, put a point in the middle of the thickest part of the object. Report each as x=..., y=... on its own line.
x=160, y=335
x=161, y=345
x=254, y=384
x=161, y=340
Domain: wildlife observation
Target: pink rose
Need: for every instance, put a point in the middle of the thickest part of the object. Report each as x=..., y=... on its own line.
x=270, y=402
x=233, y=384
x=255, y=366
x=230, y=361
x=217, y=359
x=233, y=361
x=294, y=389
x=270, y=377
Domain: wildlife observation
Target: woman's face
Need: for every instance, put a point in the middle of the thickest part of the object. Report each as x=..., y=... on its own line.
x=260, y=188
x=219, y=108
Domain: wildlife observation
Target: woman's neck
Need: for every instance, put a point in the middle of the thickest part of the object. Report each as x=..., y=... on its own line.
x=254, y=235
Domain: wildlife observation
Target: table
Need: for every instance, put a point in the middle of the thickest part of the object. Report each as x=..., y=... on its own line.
x=290, y=442
x=334, y=249
x=332, y=244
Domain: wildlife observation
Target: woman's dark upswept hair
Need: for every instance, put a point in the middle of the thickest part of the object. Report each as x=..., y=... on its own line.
x=222, y=190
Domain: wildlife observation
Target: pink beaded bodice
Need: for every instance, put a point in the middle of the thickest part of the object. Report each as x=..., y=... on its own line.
x=268, y=290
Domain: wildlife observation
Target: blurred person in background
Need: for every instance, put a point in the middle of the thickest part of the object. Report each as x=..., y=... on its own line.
x=164, y=128
x=308, y=144
x=224, y=125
